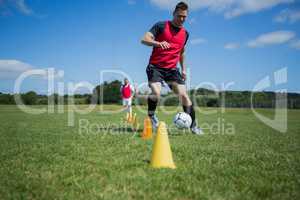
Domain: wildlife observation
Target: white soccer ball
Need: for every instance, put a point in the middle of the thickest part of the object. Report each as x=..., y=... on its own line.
x=182, y=120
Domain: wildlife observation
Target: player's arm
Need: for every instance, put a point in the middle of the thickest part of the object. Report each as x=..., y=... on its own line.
x=182, y=63
x=149, y=40
x=121, y=91
x=133, y=92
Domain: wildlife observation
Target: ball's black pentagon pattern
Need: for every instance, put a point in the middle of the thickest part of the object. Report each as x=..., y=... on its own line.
x=180, y=120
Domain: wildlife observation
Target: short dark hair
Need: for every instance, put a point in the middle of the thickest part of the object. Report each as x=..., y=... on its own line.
x=181, y=6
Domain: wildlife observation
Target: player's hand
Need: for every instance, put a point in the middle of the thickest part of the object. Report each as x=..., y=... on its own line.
x=183, y=74
x=164, y=45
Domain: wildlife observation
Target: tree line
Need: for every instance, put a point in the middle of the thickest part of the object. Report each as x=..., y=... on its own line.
x=109, y=93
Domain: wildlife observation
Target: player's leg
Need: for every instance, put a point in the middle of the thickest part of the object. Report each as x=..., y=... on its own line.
x=125, y=105
x=184, y=99
x=129, y=104
x=177, y=84
x=153, y=99
x=187, y=105
x=155, y=78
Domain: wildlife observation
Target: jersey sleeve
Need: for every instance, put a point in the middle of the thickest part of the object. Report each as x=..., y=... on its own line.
x=157, y=28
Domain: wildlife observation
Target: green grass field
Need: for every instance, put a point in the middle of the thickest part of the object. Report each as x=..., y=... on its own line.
x=43, y=158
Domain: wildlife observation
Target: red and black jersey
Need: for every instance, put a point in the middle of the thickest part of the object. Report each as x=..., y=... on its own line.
x=176, y=37
x=159, y=27
x=126, y=91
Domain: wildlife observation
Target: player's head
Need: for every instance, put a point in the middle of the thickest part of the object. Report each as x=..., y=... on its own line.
x=180, y=13
x=126, y=81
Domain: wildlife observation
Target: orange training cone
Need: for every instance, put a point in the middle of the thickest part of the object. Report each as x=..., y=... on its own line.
x=147, y=132
x=161, y=154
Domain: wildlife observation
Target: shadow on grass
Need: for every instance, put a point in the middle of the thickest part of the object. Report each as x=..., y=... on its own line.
x=123, y=130
x=146, y=161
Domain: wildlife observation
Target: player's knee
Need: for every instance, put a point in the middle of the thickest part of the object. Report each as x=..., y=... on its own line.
x=155, y=96
x=184, y=98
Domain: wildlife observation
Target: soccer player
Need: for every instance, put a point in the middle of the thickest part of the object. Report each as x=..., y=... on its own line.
x=168, y=39
x=127, y=92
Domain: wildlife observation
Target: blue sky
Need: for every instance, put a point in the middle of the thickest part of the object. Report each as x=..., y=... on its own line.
x=240, y=41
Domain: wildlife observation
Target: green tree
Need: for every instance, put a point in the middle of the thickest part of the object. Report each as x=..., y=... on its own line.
x=29, y=98
x=107, y=93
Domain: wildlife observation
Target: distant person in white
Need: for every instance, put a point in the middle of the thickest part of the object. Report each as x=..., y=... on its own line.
x=127, y=92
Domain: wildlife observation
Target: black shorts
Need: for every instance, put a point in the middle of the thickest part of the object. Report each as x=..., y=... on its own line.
x=158, y=74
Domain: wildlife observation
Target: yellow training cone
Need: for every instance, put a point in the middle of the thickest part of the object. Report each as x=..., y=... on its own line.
x=129, y=117
x=161, y=154
x=135, y=123
x=133, y=119
x=147, y=132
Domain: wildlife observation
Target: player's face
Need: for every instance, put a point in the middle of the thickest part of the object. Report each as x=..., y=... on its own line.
x=179, y=17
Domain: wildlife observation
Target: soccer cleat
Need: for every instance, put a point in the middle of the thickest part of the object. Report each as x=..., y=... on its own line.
x=154, y=121
x=197, y=131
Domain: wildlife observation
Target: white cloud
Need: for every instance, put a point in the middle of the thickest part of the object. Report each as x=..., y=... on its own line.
x=10, y=69
x=295, y=44
x=20, y=5
x=197, y=41
x=287, y=15
x=252, y=6
x=232, y=46
x=230, y=8
x=273, y=38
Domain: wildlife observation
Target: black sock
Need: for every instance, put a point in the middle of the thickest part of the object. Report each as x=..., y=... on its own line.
x=190, y=110
x=152, y=103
